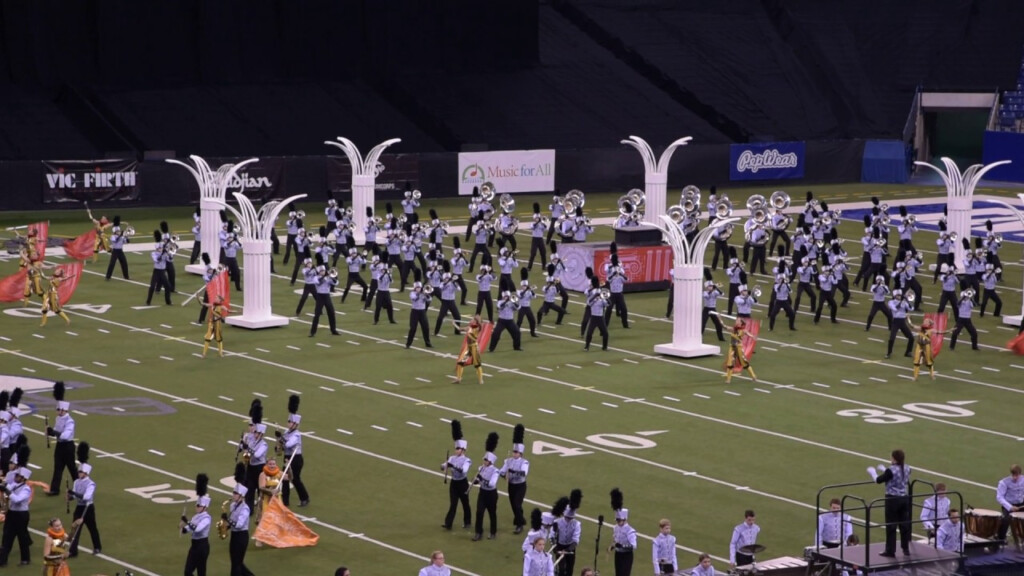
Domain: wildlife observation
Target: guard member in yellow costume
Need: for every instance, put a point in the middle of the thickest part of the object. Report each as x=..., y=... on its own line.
x=30, y=260
x=55, y=550
x=923, y=348
x=472, y=352
x=215, y=325
x=102, y=242
x=51, y=300
x=735, y=355
x=270, y=478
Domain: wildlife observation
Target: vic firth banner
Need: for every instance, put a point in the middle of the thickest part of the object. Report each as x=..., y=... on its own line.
x=509, y=170
x=770, y=161
x=90, y=181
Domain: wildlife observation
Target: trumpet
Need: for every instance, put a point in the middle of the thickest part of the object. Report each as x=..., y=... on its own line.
x=428, y=289
x=911, y=297
x=127, y=230
x=911, y=219
x=756, y=291
x=223, y=527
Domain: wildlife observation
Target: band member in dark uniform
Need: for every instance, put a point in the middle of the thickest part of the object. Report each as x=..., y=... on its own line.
x=897, y=501
x=458, y=488
x=158, y=280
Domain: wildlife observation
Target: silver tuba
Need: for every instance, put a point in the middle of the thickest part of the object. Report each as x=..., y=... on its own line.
x=677, y=213
x=723, y=208
x=507, y=203
x=757, y=206
x=779, y=200
x=690, y=199
x=573, y=199
x=487, y=191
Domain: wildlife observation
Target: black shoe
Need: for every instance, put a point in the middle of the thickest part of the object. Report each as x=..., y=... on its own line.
x=491, y=536
x=466, y=526
x=335, y=333
x=887, y=356
x=73, y=555
x=392, y=322
x=907, y=355
x=518, y=530
x=429, y=345
x=304, y=503
x=446, y=527
x=23, y=563
x=52, y=493
x=906, y=551
x=311, y=334
x=887, y=554
x=97, y=551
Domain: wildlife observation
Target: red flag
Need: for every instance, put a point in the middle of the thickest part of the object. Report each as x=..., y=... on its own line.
x=42, y=233
x=1017, y=344
x=482, y=341
x=82, y=247
x=72, y=274
x=939, y=323
x=749, y=342
x=220, y=286
x=12, y=288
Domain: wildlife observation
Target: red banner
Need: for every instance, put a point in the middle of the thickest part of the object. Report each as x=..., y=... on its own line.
x=749, y=343
x=72, y=274
x=42, y=234
x=1017, y=344
x=82, y=247
x=482, y=342
x=939, y=323
x=220, y=286
x=12, y=288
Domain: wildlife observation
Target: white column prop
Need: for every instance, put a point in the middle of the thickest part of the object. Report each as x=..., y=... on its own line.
x=1014, y=319
x=255, y=229
x=212, y=190
x=364, y=176
x=687, y=286
x=655, y=176
x=960, y=199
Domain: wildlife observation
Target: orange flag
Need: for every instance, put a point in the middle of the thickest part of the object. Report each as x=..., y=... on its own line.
x=220, y=286
x=280, y=528
x=12, y=288
x=82, y=247
x=72, y=274
x=1017, y=345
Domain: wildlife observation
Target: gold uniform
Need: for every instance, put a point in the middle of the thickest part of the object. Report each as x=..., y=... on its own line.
x=51, y=301
x=214, y=328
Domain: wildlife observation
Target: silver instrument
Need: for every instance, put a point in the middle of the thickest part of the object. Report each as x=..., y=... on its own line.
x=690, y=199
x=968, y=293
x=332, y=273
x=911, y=297
x=428, y=289
x=677, y=213
x=723, y=208
x=487, y=191
x=726, y=232
x=573, y=199
x=416, y=195
x=757, y=206
x=507, y=203
x=779, y=200
x=756, y=292
x=911, y=220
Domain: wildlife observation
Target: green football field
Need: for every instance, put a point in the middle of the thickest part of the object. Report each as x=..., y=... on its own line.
x=668, y=432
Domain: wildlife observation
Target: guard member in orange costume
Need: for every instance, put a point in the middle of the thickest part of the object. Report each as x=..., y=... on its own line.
x=923, y=347
x=55, y=549
x=215, y=325
x=51, y=299
x=472, y=353
x=735, y=355
x=270, y=478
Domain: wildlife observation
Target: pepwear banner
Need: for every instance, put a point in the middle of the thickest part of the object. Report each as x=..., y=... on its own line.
x=767, y=161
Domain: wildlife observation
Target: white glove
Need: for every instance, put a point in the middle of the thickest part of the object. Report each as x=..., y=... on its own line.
x=873, y=473
x=881, y=468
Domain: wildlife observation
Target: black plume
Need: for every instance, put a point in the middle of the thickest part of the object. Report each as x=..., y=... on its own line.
x=743, y=277
x=874, y=200
x=369, y=212
x=942, y=225
x=589, y=272
x=231, y=225
x=575, y=498
x=157, y=236
x=323, y=231
x=707, y=274
x=387, y=207
x=117, y=220
x=456, y=430
x=417, y=276
x=867, y=220
x=834, y=235
x=977, y=242
x=966, y=243
x=23, y=452
x=223, y=215
x=801, y=220
x=536, y=208
x=732, y=251
x=83, y=452
x=988, y=225
x=476, y=191
x=446, y=266
x=291, y=206
x=330, y=194
x=824, y=207
x=163, y=226
x=5, y=397
x=614, y=248
x=518, y=434
x=524, y=274
x=293, y=404
x=903, y=211
x=202, y=484
x=206, y=258
x=491, y=444
x=256, y=403
x=554, y=247
x=810, y=196
x=560, y=506
x=58, y=390
x=501, y=242
x=16, y=396
x=257, y=414
x=339, y=214
x=579, y=211
x=536, y=519
x=551, y=269
x=456, y=242
x=433, y=214
x=240, y=473
x=595, y=282
x=616, y=499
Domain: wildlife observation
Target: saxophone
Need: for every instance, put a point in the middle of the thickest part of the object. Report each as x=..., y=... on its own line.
x=223, y=526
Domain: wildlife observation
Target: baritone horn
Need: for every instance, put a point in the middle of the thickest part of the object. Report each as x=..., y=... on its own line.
x=639, y=199
x=756, y=291
x=779, y=200
x=690, y=198
x=416, y=194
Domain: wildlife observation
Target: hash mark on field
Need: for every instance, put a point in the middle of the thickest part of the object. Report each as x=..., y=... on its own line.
x=70, y=333
x=982, y=331
x=573, y=324
x=100, y=364
x=578, y=407
x=1005, y=328
x=1016, y=366
x=344, y=431
x=848, y=342
x=103, y=331
x=322, y=345
x=260, y=394
x=825, y=344
x=157, y=452
x=117, y=408
x=820, y=385
x=290, y=347
x=35, y=466
x=628, y=400
x=133, y=361
x=610, y=405
x=770, y=349
x=262, y=350
x=703, y=396
x=546, y=411
x=880, y=341
x=671, y=399
x=961, y=371
x=423, y=380
x=166, y=326
x=990, y=369
x=40, y=336
x=226, y=399
x=326, y=389
x=352, y=342
x=29, y=370
x=166, y=358
x=296, y=392
x=630, y=361
x=762, y=390
x=731, y=393
x=381, y=428
x=876, y=379
x=5, y=338
x=197, y=355
x=513, y=414
x=390, y=382
x=573, y=366
x=197, y=448
x=414, y=424
x=600, y=363
x=850, y=382
x=905, y=376
x=544, y=368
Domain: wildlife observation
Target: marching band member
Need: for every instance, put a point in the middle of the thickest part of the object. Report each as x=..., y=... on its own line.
x=721, y=239
x=199, y=527
x=582, y=227
x=703, y=567
x=834, y=527
x=325, y=248
x=324, y=285
x=102, y=242
x=974, y=267
x=735, y=357
x=1010, y=496
x=587, y=293
x=331, y=211
x=568, y=531
x=507, y=225
x=487, y=496
x=167, y=239
x=158, y=280
x=376, y=267
x=617, y=280
x=567, y=228
x=899, y=307
x=256, y=446
x=950, y=536
x=779, y=223
x=302, y=251
x=269, y=485
x=458, y=488
x=805, y=273
x=55, y=549
x=826, y=294
x=989, y=279
x=526, y=296
x=506, y=263
x=292, y=441
x=991, y=244
x=393, y=245
x=447, y=290
x=914, y=262
x=370, y=232
x=215, y=326
x=709, y=312
x=879, y=292
x=83, y=492
x=482, y=234
x=537, y=231
x=596, y=303
x=906, y=229
x=876, y=256
x=420, y=299
x=471, y=354
x=507, y=308
x=866, y=242
x=436, y=566
x=745, y=301
x=118, y=239
x=541, y=525
x=537, y=561
x=744, y=534
x=19, y=494
x=781, y=290
x=343, y=236
x=483, y=294
x=237, y=518
x=51, y=299
x=458, y=266
x=557, y=212
x=410, y=202
x=355, y=263
x=948, y=296
x=474, y=212
x=515, y=470
x=63, y=430
x=837, y=259
x=291, y=225
x=197, y=237
x=384, y=295
x=310, y=279
x=623, y=536
x=736, y=274
x=935, y=509
x=759, y=242
x=963, y=320
x=559, y=270
x=945, y=244
x=5, y=437
x=438, y=230
x=923, y=348
x=550, y=290
x=897, y=503
x=663, y=549
x=417, y=236
x=408, y=262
